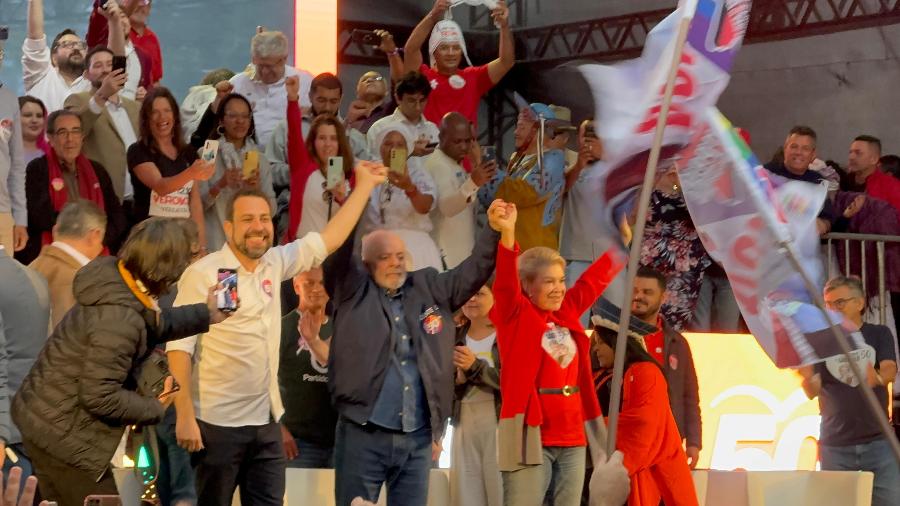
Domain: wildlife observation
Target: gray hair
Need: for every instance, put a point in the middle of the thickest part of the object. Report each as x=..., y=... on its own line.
x=269, y=44
x=79, y=218
x=851, y=282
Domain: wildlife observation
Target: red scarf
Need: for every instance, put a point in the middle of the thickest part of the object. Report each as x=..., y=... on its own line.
x=88, y=186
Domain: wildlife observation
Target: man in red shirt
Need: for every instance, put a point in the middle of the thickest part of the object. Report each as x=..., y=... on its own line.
x=864, y=163
x=455, y=89
x=672, y=351
x=145, y=42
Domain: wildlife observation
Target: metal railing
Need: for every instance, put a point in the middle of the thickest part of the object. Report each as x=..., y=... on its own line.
x=835, y=240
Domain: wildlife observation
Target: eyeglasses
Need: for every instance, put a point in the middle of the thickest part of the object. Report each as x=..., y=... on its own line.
x=72, y=44
x=373, y=79
x=75, y=132
x=838, y=303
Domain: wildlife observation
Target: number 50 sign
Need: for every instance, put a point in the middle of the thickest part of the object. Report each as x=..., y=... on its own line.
x=755, y=416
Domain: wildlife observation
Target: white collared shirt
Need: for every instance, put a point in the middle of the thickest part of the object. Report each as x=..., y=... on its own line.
x=43, y=80
x=122, y=123
x=235, y=373
x=269, y=101
x=423, y=128
x=454, y=214
x=72, y=252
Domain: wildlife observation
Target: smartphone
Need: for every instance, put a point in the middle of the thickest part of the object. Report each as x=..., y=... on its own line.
x=488, y=154
x=153, y=375
x=210, y=151
x=103, y=500
x=251, y=163
x=227, y=294
x=398, y=161
x=334, y=177
x=589, y=131
x=365, y=37
x=119, y=63
x=4, y=32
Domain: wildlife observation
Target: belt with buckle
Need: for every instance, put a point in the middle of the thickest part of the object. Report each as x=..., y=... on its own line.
x=566, y=390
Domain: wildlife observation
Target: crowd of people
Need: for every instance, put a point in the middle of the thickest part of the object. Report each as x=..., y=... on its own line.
x=394, y=278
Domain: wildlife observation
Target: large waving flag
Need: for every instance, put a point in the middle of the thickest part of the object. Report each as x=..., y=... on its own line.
x=628, y=96
x=745, y=217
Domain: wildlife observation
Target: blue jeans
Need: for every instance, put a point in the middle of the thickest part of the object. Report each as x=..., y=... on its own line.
x=561, y=477
x=312, y=456
x=176, y=477
x=876, y=457
x=367, y=456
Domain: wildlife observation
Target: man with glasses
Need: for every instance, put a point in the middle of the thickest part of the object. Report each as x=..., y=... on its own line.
x=850, y=438
x=263, y=85
x=64, y=175
x=110, y=120
x=52, y=74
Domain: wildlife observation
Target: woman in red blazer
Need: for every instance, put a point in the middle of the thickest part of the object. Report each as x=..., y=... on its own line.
x=549, y=412
x=647, y=434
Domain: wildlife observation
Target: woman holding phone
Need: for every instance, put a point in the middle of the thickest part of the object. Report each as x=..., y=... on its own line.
x=323, y=157
x=240, y=163
x=403, y=205
x=163, y=168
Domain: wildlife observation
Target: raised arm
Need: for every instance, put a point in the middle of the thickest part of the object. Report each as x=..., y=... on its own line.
x=114, y=15
x=412, y=51
x=507, y=287
x=368, y=176
x=504, y=63
x=35, y=19
x=459, y=284
x=593, y=281
x=395, y=61
x=298, y=156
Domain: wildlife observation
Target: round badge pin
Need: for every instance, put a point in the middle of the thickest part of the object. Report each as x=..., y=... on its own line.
x=457, y=82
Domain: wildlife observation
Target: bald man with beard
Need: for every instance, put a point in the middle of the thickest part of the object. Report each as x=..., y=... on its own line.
x=390, y=369
x=454, y=215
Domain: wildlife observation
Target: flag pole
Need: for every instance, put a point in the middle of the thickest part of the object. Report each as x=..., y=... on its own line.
x=637, y=238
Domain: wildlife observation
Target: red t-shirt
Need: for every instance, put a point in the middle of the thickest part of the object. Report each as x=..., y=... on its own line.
x=655, y=343
x=460, y=92
x=563, y=423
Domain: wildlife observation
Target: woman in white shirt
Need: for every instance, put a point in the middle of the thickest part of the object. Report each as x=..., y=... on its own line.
x=403, y=204
x=240, y=164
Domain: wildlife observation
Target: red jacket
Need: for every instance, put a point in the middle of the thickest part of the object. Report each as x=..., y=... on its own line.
x=649, y=440
x=520, y=328
x=302, y=166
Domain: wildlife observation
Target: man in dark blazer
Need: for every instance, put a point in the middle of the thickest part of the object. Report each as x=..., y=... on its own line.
x=390, y=368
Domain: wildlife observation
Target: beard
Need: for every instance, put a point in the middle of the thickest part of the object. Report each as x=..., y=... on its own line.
x=71, y=66
x=254, y=253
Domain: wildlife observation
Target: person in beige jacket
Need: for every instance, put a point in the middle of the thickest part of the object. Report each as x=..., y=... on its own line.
x=77, y=239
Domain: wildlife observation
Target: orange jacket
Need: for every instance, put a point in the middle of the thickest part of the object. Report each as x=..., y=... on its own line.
x=650, y=442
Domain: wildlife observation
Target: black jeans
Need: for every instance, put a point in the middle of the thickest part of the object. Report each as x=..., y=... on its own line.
x=64, y=483
x=251, y=457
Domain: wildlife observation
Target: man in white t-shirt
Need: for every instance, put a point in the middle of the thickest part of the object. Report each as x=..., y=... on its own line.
x=454, y=215
x=230, y=401
x=52, y=73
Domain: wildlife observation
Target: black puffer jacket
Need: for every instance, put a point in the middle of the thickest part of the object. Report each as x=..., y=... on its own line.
x=80, y=394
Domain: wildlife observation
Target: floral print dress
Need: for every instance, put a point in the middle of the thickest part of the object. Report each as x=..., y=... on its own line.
x=671, y=246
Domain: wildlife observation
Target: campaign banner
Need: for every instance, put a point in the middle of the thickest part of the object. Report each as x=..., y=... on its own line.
x=747, y=219
x=628, y=97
